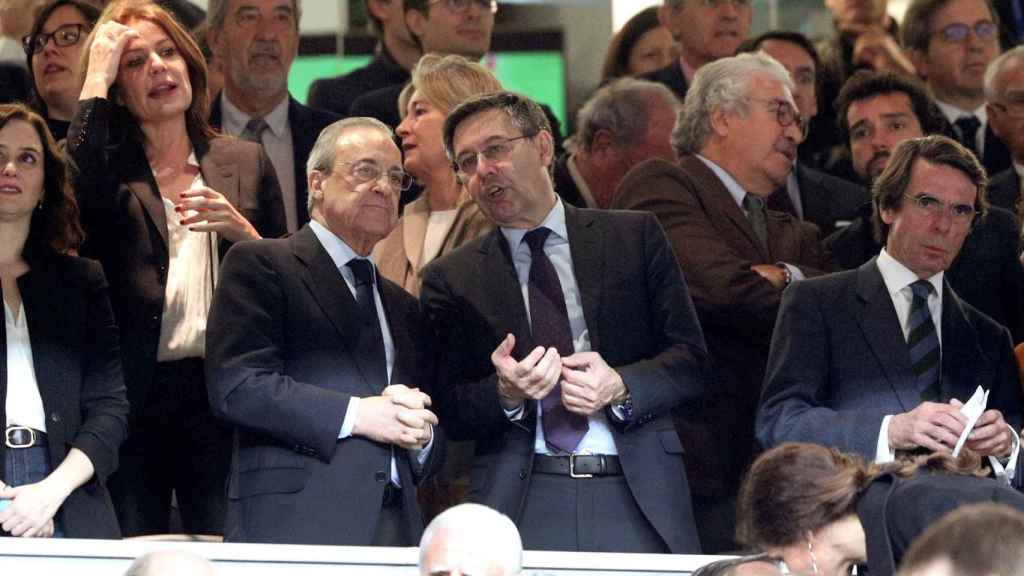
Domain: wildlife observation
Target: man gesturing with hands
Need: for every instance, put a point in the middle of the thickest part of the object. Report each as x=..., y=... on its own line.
x=324, y=366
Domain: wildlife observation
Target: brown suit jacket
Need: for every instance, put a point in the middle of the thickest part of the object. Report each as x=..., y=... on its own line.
x=716, y=246
x=399, y=255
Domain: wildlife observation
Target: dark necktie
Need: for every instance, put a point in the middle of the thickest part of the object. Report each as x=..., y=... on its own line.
x=755, y=213
x=923, y=342
x=254, y=130
x=781, y=202
x=563, y=430
x=370, y=344
x=967, y=129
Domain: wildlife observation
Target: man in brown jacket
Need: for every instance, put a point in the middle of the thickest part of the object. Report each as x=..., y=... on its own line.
x=737, y=137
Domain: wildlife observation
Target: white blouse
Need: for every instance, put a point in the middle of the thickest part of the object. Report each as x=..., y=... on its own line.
x=24, y=405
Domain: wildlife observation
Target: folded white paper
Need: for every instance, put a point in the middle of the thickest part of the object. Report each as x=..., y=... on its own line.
x=972, y=409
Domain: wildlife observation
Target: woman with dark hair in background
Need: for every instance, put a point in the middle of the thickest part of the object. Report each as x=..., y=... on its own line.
x=61, y=388
x=821, y=511
x=642, y=45
x=54, y=51
x=162, y=197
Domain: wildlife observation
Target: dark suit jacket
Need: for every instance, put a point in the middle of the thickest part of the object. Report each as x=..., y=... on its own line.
x=827, y=199
x=640, y=319
x=986, y=274
x=894, y=511
x=715, y=246
x=381, y=104
x=565, y=186
x=78, y=370
x=306, y=124
x=281, y=367
x=337, y=94
x=671, y=76
x=839, y=363
x=1004, y=191
x=996, y=156
x=123, y=216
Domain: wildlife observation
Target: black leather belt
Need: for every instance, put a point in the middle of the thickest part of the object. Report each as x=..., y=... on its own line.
x=23, y=437
x=578, y=465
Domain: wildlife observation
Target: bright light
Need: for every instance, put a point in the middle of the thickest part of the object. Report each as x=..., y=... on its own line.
x=623, y=10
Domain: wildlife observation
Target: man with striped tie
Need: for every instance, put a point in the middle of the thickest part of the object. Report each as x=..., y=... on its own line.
x=877, y=360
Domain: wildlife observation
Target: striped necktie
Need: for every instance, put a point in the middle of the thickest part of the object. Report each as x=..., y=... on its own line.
x=923, y=341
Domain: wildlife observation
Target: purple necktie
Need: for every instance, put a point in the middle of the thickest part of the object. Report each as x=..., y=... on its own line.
x=563, y=430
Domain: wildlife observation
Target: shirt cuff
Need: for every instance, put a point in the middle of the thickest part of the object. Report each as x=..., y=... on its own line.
x=351, y=413
x=422, y=454
x=883, y=453
x=794, y=272
x=1006, y=468
x=516, y=413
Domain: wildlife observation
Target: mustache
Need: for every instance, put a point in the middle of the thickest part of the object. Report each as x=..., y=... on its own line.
x=883, y=155
x=265, y=49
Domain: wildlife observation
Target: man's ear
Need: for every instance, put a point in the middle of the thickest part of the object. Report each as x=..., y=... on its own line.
x=920, y=61
x=315, y=184
x=416, y=22
x=720, y=121
x=547, y=147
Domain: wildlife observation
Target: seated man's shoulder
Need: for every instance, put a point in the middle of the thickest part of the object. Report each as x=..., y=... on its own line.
x=637, y=183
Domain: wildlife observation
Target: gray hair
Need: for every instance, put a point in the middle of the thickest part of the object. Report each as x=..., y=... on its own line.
x=217, y=13
x=724, y=84
x=486, y=539
x=996, y=66
x=324, y=152
x=623, y=108
x=167, y=562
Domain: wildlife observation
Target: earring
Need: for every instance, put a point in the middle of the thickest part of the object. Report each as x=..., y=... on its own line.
x=810, y=552
x=39, y=206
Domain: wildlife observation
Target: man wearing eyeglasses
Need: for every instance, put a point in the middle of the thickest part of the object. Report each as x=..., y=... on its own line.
x=323, y=366
x=566, y=336
x=255, y=43
x=951, y=43
x=878, y=360
x=1004, y=90
x=736, y=139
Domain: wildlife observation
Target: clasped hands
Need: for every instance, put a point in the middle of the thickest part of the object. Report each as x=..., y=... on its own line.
x=398, y=416
x=31, y=508
x=937, y=427
x=588, y=384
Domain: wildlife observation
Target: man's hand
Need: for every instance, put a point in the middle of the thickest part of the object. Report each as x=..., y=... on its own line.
x=990, y=436
x=387, y=420
x=771, y=273
x=878, y=50
x=529, y=379
x=931, y=425
x=32, y=508
x=589, y=384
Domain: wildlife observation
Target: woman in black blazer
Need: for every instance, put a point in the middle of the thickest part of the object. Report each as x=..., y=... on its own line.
x=821, y=511
x=65, y=410
x=162, y=197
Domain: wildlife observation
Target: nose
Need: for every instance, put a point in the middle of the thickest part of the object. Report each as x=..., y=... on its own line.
x=157, y=64
x=403, y=129
x=795, y=130
x=9, y=168
x=728, y=9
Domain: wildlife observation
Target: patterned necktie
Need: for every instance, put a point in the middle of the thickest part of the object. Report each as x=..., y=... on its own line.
x=370, y=344
x=563, y=430
x=923, y=343
x=755, y=213
x=967, y=129
x=254, y=130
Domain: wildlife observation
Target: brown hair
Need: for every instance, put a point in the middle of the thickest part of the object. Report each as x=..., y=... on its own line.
x=976, y=539
x=89, y=12
x=55, y=224
x=123, y=11
x=797, y=487
x=916, y=29
x=616, y=58
x=447, y=81
x=888, y=189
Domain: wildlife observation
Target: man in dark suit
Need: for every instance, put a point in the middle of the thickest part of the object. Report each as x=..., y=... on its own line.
x=877, y=111
x=566, y=336
x=878, y=359
x=737, y=257
x=323, y=366
x=255, y=41
x=624, y=123
x=395, y=55
x=705, y=31
x=1004, y=90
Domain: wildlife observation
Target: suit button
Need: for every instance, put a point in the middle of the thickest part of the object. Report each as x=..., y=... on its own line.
x=522, y=473
x=380, y=476
x=54, y=417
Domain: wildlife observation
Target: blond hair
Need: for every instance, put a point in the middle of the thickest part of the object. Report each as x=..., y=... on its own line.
x=447, y=81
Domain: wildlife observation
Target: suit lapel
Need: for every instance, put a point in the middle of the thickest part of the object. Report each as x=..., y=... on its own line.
x=220, y=175
x=302, y=144
x=588, y=266
x=719, y=200
x=401, y=338
x=884, y=336
x=813, y=196
x=498, y=273
x=414, y=231
x=963, y=366
x=153, y=204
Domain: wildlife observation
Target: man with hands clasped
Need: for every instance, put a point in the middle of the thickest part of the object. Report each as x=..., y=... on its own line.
x=565, y=336
x=324, y=366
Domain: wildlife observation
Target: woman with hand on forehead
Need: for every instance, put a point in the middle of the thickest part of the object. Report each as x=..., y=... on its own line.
x=162, y=197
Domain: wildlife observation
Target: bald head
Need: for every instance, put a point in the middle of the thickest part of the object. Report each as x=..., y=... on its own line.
x=170, y=563
x=471, y=539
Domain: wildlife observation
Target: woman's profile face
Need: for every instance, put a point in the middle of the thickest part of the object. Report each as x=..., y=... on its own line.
x=152, y=79
x=421, y=132
x=55, y=67
x=21, y=170
x=654, y=50
x=832, y=550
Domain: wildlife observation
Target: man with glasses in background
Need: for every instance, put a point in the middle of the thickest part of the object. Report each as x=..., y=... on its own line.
x=951, y=43
x=736, y=138
x=1004, y=90
x=879, y=360
x=566, y=336
x=323, y=366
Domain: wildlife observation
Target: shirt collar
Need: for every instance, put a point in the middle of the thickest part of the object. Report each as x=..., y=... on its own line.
x=234, y=120
x=555, y=221
x=1019, y=169
x=339, y=251
x=581, y=182
x=953, y=113
x=898, y=277
x=735, y=190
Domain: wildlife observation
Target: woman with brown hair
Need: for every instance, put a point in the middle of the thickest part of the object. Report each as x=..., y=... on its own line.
x=822, y=511
x=60, y=373
x=641, y=46
x=163, y=196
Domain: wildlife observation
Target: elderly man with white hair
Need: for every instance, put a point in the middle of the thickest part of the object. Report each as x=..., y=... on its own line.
x=170, y=563
x=471, y=539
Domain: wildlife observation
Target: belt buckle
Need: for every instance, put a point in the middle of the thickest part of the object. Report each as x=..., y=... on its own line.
x=572, y=467
x=31, y=437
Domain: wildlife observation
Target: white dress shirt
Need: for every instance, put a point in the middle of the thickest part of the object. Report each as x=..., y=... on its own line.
x=954, y=113
x=24, y=405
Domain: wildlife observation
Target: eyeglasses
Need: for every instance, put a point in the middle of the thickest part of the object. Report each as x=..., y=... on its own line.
x=958, y=32
x=462, y=6
x=1012, y=108
x=365, y=171
x=932, y=206
x=785, y=114
x=66, y=35
x=467, y=163
x=719, y=3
